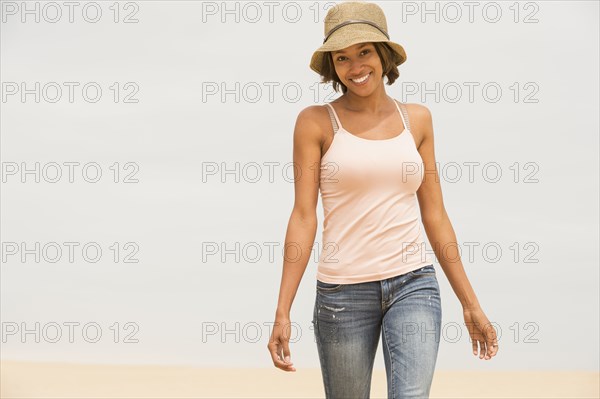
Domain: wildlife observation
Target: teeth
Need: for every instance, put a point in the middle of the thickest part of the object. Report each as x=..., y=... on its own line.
x=361, y=79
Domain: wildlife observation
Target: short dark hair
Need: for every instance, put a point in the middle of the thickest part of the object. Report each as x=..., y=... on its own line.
x=386, y=55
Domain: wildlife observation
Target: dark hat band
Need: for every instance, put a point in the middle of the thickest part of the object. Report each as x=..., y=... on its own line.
x=355, y=21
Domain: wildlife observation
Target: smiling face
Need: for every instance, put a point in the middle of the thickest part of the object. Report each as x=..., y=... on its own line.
x=358, y=67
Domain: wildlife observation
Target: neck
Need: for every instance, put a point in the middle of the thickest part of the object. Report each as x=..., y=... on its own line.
x=371, y=104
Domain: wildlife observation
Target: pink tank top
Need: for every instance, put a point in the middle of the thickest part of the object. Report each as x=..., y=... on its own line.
x=371, y=226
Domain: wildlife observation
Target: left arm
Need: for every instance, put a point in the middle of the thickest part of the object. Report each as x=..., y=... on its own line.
x=441, y=234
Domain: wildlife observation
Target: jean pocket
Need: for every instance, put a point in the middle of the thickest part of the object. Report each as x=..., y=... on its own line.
x=328, y=287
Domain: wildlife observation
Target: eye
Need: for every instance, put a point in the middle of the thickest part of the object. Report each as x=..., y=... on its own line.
x=341, y=57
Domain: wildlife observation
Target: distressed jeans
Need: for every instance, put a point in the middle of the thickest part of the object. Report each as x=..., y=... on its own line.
x=348, y=319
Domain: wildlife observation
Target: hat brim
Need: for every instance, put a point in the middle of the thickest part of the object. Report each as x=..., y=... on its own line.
x=350, y=35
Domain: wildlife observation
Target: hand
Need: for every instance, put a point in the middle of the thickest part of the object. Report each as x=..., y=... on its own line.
x=279, y=344
x=482, y=332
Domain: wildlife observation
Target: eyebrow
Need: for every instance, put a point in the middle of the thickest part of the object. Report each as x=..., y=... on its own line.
x=359, y=47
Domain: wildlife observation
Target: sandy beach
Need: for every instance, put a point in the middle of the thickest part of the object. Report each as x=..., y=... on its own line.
x=64, y=380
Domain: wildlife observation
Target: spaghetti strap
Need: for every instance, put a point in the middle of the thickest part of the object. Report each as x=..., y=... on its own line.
x=335, y=121
x=403, y=114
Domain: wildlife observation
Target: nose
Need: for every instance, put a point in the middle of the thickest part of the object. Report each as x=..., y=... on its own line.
x=356, y=69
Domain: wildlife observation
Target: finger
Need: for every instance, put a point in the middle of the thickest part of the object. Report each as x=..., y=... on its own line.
x=279, y=363
x=474, y=343
x=273, y=349
x=278, y=359
x=287, y=356
x=494, y=348
x=491, y=341
x=482, y=349
x=282, y=364
x=489, y=351
x=285, y=345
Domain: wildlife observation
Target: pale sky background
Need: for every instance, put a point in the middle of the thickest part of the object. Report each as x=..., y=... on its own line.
x=198, y=306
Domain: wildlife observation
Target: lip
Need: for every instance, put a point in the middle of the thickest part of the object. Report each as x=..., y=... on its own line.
x=363, y=83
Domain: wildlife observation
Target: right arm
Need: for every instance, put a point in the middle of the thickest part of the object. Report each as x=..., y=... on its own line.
x=301, y=230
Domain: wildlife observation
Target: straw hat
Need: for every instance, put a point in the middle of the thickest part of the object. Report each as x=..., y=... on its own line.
x=352, y=22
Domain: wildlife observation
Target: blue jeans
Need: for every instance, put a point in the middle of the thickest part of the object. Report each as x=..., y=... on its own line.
x=348, y=318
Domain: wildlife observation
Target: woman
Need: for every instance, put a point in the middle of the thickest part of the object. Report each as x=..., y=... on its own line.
x=374, y=275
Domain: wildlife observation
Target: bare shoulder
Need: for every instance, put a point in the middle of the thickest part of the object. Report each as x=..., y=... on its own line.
x=311, y=123
x=421, y=124
x=418, y=111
